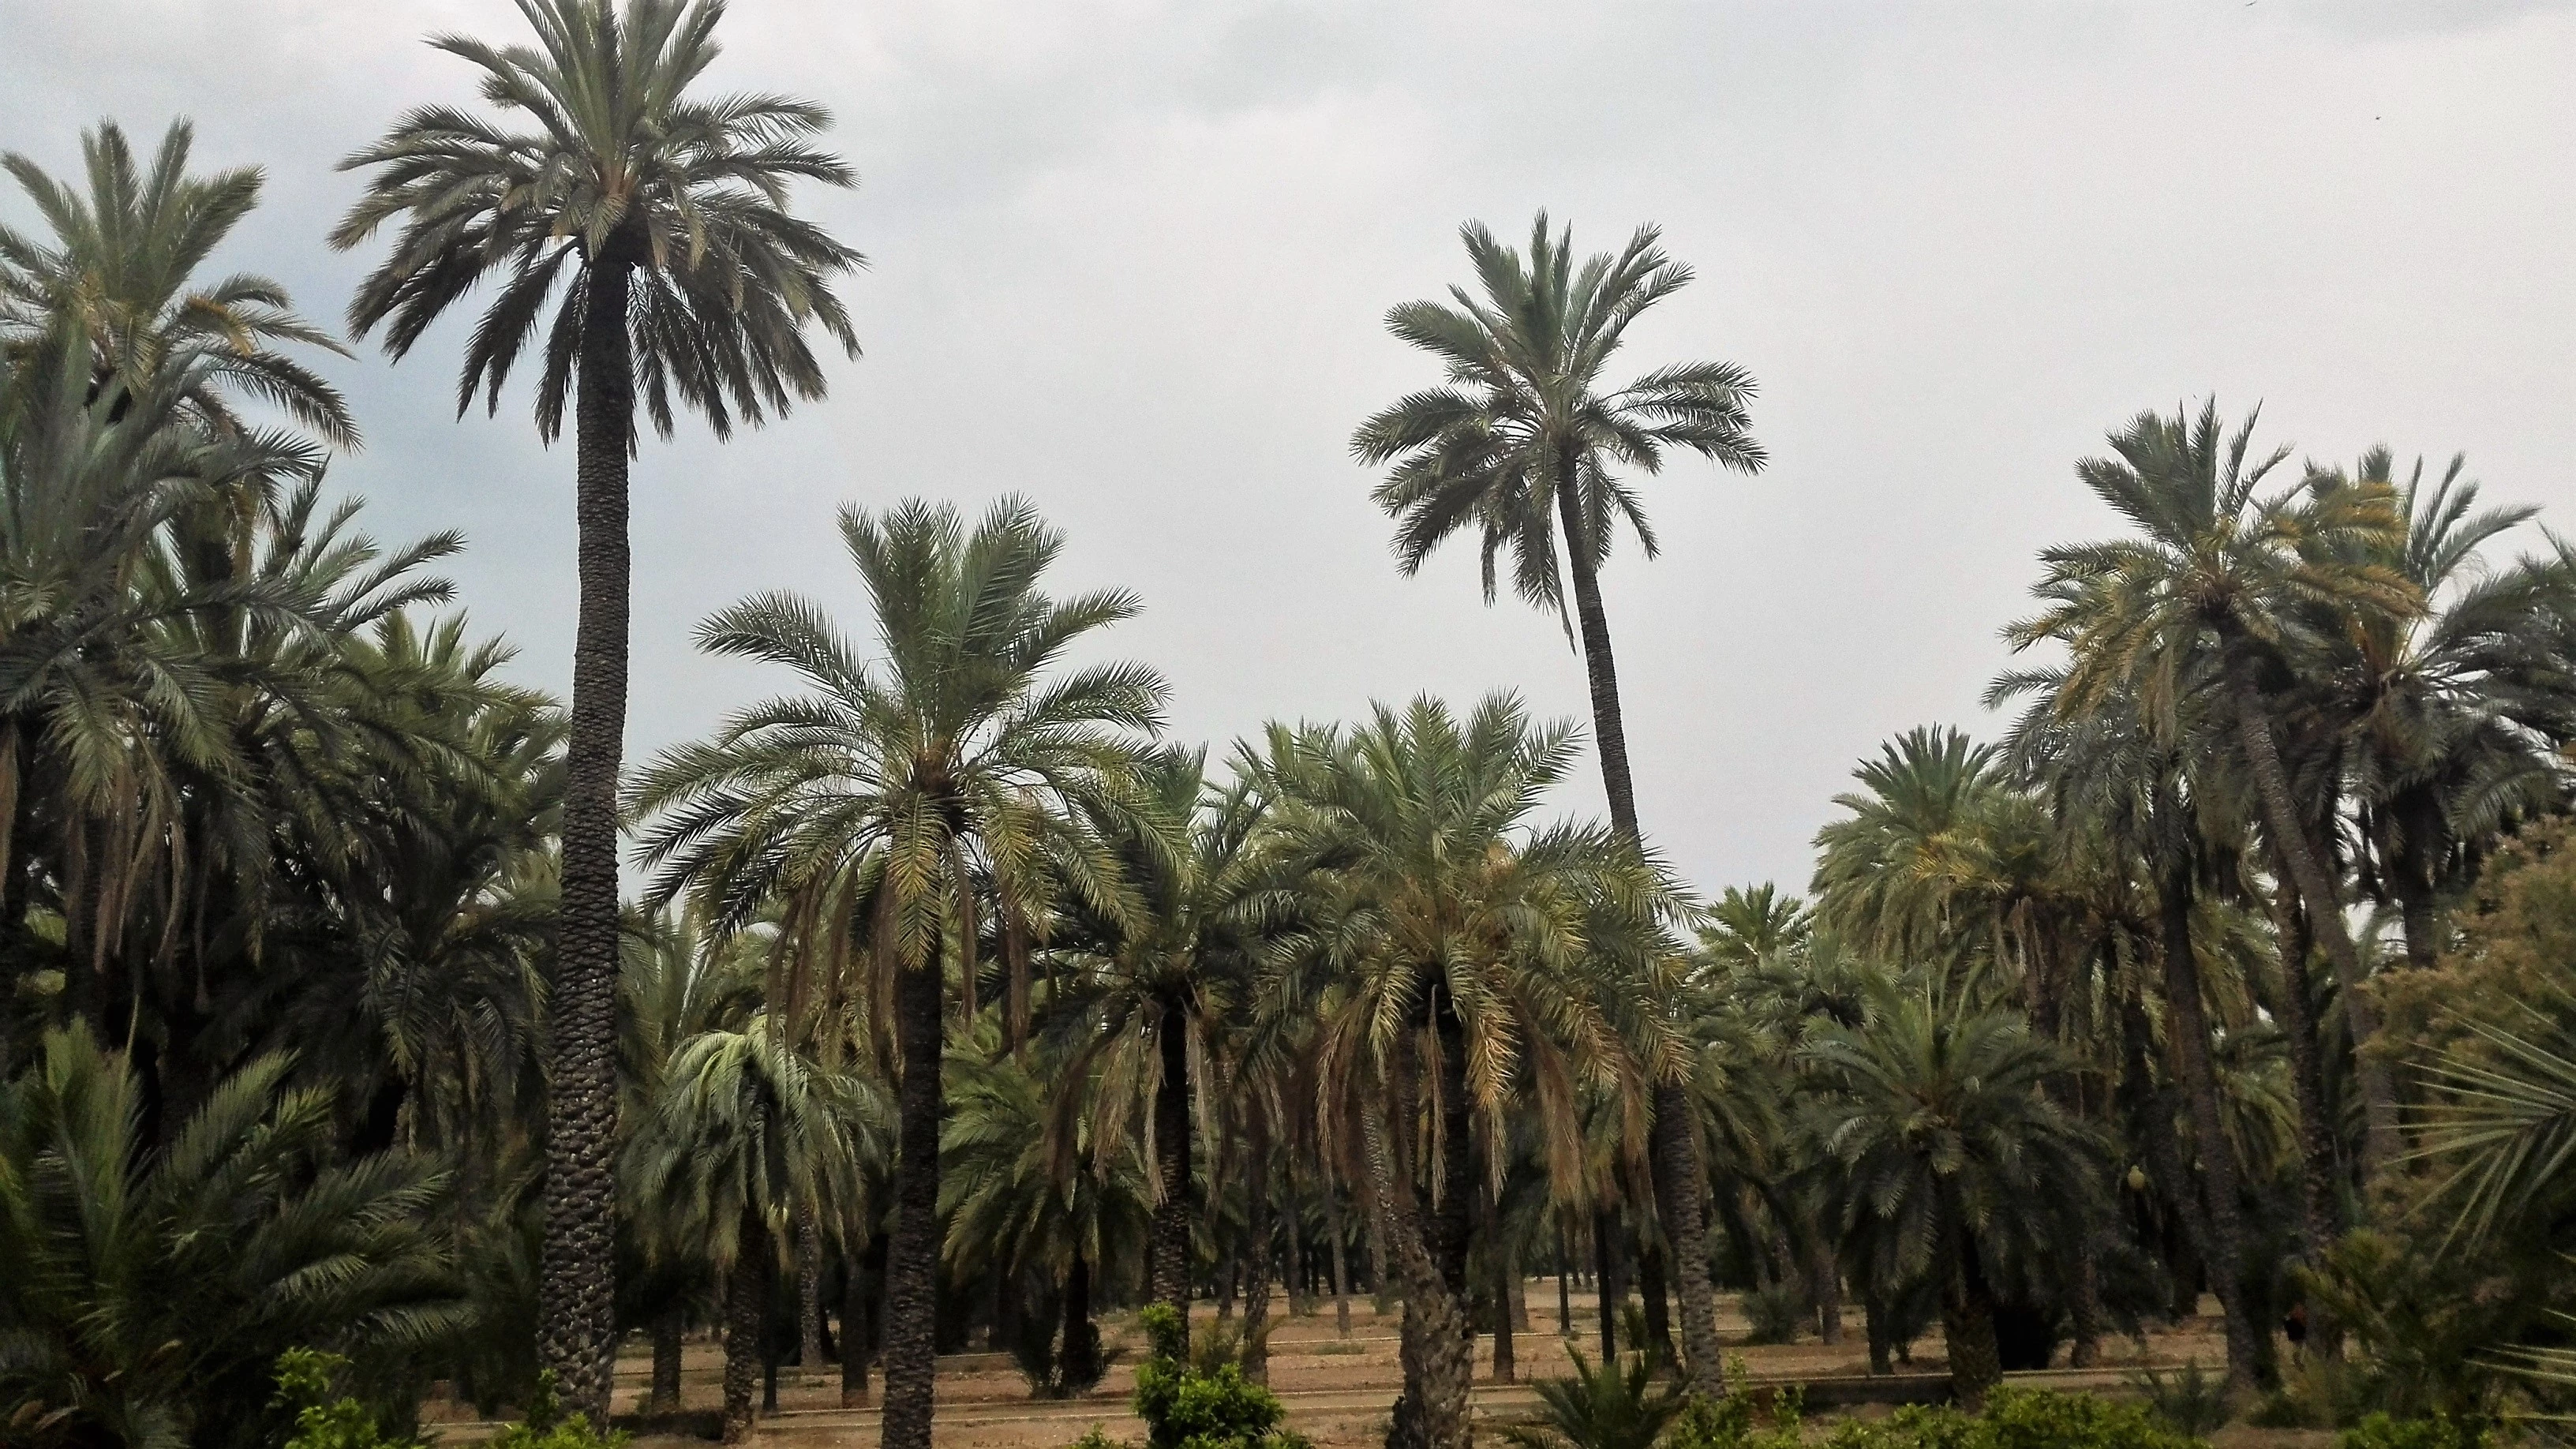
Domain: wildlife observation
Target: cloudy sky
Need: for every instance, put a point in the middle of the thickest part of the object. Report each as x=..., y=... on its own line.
x=1131, y=258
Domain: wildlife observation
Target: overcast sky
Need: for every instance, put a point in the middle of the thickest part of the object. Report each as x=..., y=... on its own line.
x=1132, y=259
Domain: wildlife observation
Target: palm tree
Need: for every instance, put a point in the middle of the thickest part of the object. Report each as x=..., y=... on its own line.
x=745, y=1137
x=1155, y=993
x=1521, y=445
x=2208, y=595
x=897, y=813
x=1953, y=1156
x=1456, y=964
x=150, y=1291
x=2453, y=709
x=119, y=272
x=662, y=218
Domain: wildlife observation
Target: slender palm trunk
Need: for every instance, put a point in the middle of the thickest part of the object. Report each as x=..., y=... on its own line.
x=667, y=1326
x=1506, y=1368
x=2317, y=891
x=1258, y=1229
x=1825, y=1285
x=1672, y=1156
x=2187, y=1033
x=911, y=1301
x=1435, y=1346
x=2317, y=1216
x=2042, y=990
x=1170, y=1250
x=577, y=1287
x=746, y=1308
x=1609, y=1255
x=1650, y=1297
x=1341, y=1266
x=1564, y=1293
x=856, y=1300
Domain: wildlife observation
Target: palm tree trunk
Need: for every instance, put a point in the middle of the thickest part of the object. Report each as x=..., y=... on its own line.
x=667, y=1326
x=855, y=1303
x=1968, y=1325
x=1650, y=1296
x=1341, y=1267
x=1078, y=1362
x=2187, y=1033
x=1609, y=1255
x=2317, y=1173
x=1435, y=1346
x=1499, y=1257
x=1825, y=1286
x=1258, y=1230
x=1676, y=1168
x=2043, y=990
x=1564, y=1293
x=809, y=1290
x=1292, y=1240
x=577, y=1337
x=1175, y=1212
x=2290, y=836
x=746, y=1309
x=911, y=1297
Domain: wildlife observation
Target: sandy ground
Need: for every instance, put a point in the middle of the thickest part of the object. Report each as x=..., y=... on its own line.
x=1337, y=1390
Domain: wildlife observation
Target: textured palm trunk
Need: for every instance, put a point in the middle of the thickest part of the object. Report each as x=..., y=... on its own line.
x=856, y=1301
x=746, y=1306
x=2187, y=1033
x=1678, y=1179
x=2317, y=1168
x=1292, y=1238
x=1650, y=1298
x=667, y=1328
x=809, y=1289
x=577, y=1285
x=1876, y=1317
x=1174, y=1214
x=912, y=1259
x=1564, y=1289
x=1434, y=1345
x=2288, y=828
x=2043, y=990
x=1257, y=1233
x=1968, y=1325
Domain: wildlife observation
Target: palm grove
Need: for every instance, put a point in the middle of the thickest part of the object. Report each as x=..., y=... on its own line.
x=950, y=998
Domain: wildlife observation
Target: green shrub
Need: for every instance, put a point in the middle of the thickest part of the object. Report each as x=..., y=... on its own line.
x=2189, y=1400
x=2019, y=1419
x=1614, y=1406
x=2440, y=1431
x=1185, y=1408
x=549, y=1427
x=304, y=1378
x=1773, y=1315
x=1097, y=1439
x=1729, y=1420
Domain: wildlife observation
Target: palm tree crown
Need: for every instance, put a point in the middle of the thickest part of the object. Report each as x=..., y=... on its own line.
x=622, y=170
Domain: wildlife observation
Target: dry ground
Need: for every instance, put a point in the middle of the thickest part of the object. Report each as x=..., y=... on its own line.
x=1337, y=1390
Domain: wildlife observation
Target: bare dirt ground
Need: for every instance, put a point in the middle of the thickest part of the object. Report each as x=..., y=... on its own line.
x=1337, y=1390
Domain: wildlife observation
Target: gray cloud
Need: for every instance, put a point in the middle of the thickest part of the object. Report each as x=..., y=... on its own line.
x=1130, y=258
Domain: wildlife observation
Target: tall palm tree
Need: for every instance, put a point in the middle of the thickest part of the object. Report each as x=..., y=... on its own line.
x=1522, y=445
x=120, y=269
x=661, y=218
x=2208, y=594
x=900, y=814
x=1454, y=968
x=1158, y=992
x=1954, y=1157
x=2454, y=709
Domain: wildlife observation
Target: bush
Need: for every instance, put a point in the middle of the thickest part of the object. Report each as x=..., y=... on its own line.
x=303, y=1381
x=1728, y=1421
x=2440, y=1431
x=1610, y=1407
x=549, y=1427
x=1774, y=1314
x=2190, y=1401
x=1097, y=1439
x=2019, y=1419
x=1185, y=1408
